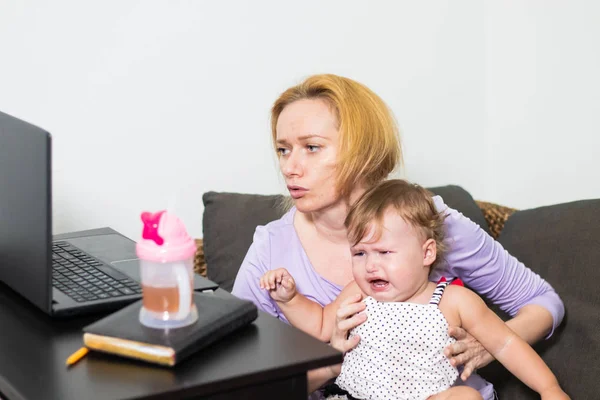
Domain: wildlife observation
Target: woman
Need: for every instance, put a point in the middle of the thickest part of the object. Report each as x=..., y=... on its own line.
x=335, y=138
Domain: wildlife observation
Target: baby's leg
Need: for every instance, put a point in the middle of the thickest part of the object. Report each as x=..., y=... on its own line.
x=458, y=393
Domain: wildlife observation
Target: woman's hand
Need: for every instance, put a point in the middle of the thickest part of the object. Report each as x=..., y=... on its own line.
x=348, y=316
x=316, y=378
x=466, y=351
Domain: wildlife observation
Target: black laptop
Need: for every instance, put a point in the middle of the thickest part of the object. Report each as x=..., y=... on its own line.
x=71, y=274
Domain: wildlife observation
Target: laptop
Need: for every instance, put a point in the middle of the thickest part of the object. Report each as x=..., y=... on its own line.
x=70, y=274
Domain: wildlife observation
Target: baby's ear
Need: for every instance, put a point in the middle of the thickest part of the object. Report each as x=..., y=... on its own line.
x=429, y=252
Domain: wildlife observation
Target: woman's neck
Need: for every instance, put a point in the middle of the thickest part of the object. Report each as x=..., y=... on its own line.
x=329, y=222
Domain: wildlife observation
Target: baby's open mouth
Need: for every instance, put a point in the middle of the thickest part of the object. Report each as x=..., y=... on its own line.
x=378, y=284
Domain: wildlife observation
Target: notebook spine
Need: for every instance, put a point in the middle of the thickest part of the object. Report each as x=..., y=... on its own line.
x=131, y=349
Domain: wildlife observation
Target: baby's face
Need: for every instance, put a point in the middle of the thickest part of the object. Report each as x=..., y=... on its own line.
x=391, y=268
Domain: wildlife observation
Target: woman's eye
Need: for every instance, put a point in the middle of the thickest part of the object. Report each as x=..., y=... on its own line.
x=359, y=253
x=312, y=148
x=282, y=151
x=385, y=252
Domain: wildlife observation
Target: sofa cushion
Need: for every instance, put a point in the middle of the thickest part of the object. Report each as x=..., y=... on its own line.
x=230, y=219
x=228, y=226
x=562, y=244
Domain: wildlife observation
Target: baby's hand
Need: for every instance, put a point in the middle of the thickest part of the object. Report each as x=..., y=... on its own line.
x=280, y=284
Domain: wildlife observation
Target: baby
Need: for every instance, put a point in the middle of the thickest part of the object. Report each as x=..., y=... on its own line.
x=396, y=236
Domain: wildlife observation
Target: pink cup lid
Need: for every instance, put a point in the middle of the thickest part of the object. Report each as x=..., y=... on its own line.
x=164, y=239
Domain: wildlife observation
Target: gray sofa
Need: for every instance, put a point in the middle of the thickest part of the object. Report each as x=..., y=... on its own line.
x=559, y=242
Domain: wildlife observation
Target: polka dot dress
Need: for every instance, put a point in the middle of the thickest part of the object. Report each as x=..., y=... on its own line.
x=400, y=354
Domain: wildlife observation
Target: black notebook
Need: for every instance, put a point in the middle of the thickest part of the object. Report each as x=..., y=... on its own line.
x=121, y=333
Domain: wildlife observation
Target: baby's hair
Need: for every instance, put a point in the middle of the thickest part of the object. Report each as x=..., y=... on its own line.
x=412, y=202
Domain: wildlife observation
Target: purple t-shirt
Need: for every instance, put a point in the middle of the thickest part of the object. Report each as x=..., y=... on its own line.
x=473, y=256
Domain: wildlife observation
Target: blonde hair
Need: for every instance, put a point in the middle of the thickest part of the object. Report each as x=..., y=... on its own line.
x=412, y=202
x=369, y=140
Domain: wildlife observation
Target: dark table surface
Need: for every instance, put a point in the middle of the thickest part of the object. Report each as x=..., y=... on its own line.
x=34, y=347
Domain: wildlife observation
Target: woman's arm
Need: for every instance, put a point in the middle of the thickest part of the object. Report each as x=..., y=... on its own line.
x=531, y=324
x=488, y=269
x=348, y=316
x=506, y=346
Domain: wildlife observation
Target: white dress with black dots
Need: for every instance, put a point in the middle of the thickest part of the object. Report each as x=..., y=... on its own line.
x=400, y=354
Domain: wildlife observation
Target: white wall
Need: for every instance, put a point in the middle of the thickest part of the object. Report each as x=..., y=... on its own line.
x=154, y=102
x=542, y=101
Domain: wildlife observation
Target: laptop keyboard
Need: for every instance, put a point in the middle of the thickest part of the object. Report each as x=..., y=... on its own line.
x=84, y=278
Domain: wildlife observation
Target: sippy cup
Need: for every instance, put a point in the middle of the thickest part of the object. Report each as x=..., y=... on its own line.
x=166, y=255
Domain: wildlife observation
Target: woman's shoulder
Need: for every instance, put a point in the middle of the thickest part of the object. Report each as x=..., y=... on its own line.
x=286, y=220
x=469, y=247
x=455, y=220
x=440, y=206
x=278, y=227
x=278, y=234
x=271, y=242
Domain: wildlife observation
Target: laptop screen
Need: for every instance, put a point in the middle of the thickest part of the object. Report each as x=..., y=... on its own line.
x=25, y=210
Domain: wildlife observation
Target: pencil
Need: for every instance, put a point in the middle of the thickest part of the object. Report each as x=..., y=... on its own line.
x=78, y=355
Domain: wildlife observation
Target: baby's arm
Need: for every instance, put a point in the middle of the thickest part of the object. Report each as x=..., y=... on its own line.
x=301, y=312
x=313, y=319
x=508, y=348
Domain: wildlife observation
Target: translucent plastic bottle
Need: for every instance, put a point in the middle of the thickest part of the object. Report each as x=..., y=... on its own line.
x=166, y=253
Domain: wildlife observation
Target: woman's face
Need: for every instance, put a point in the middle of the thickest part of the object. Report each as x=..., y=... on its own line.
x=307, y=144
